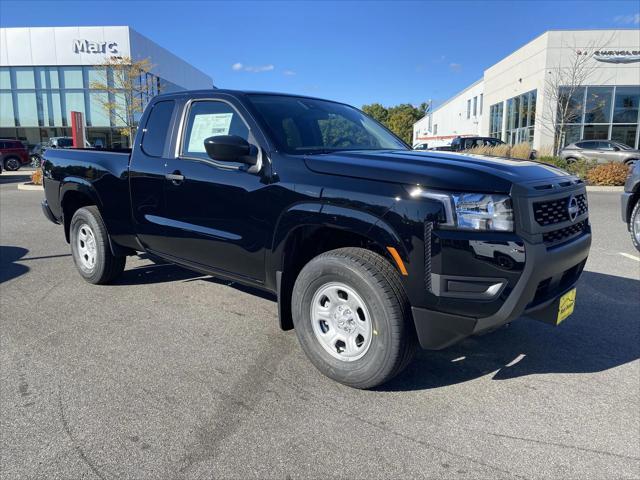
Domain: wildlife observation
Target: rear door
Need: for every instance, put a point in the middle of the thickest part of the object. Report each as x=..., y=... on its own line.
x=147, y=172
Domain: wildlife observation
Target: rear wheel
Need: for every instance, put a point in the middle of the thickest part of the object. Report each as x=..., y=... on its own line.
x=571, y=160
x=11, y=164
x=90, y=247
x=352, y=317
x=634, y=225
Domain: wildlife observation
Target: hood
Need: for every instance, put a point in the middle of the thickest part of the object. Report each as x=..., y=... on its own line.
x=437, y=170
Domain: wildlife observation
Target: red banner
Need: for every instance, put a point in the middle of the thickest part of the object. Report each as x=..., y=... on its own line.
x=77, y=129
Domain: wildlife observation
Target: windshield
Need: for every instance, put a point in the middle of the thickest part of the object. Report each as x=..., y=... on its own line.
x=65, y=142
x=304, y=125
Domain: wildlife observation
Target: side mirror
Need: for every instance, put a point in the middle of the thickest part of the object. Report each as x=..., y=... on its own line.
x=230, y=148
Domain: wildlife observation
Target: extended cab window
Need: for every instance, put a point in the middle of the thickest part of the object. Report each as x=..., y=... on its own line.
x=156, y=130
x=209, y=119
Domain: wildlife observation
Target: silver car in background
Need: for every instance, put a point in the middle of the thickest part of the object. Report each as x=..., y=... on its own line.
x=602, y=151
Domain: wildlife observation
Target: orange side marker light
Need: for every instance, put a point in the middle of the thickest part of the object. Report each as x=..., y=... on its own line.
x=396, y=256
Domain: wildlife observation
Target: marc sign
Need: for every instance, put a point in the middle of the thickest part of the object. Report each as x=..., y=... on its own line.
x=615, y=56
x=88, y=46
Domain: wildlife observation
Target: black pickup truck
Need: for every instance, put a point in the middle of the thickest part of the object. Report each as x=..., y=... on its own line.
x=371, y=248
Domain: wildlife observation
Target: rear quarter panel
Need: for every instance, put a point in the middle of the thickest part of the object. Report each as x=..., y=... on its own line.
x=101, y=175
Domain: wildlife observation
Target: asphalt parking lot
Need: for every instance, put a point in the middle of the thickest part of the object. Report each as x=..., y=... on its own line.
x=170, y=374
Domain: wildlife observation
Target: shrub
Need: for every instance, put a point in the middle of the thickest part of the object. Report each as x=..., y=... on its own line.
x=36, y=177
x=578, y=167
x=520, y=150
x=609, y=174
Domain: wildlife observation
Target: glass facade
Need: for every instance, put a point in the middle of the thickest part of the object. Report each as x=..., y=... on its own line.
x=36, y=102
x=599, y=113
x=521, y=118
x=495, y=120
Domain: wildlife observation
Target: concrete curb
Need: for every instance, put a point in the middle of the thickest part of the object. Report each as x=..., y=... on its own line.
x=28, y=186
x=595, y=188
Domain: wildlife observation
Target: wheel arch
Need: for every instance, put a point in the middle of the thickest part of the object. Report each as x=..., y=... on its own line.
x=307, y=230
x=76, y=193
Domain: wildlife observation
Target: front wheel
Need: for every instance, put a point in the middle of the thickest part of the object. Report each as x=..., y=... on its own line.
x=90, y=247
x=352, y=317
x=634, y=226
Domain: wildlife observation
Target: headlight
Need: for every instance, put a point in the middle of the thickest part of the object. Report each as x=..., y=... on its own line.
x=473, y=211
x=478, y=211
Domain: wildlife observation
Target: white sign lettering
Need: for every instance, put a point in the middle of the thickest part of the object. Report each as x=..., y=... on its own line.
x=88, y=46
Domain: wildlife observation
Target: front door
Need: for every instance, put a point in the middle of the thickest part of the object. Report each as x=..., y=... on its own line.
x=216, y=212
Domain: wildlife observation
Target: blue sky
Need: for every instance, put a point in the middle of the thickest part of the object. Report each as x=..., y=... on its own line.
x=356, y=52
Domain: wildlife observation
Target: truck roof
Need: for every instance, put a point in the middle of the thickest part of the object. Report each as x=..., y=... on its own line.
x=241, y=92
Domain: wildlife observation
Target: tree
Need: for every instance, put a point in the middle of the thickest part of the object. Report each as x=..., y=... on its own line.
x=377, y=112
x=398, y=119
x=127, y=93
x=564, y=90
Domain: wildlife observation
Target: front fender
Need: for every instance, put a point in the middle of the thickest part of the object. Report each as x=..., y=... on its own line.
x=318, y=214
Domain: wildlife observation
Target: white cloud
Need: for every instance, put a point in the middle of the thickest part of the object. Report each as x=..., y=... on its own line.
x=237, y=67
x=288, y=72
x=633, y=19
x=455, y=67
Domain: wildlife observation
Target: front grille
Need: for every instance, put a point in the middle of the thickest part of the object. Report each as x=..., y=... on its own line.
x=564, y=234
x=551, y=212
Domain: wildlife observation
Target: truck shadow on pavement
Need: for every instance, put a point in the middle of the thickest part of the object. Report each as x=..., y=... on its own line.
x=602, y=333
x=9, y=269
x=160, y=271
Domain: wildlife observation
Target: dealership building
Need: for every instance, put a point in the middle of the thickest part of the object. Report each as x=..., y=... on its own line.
x=46, y=73
x=516, y=99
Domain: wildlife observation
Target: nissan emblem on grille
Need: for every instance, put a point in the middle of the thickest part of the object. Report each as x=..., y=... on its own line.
x=572, y=208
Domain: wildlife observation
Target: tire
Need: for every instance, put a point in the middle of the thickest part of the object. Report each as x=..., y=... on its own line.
x=571, y=160
x=90, y=247
x=11, y=164
x=372, y=300
x=634, y=225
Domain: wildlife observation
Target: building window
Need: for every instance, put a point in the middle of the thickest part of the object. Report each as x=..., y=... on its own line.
x=475, y=106
x=468, y=108
x=481, y=102
x=521, y=118
x=495, y=120
x=435, y=129
x=598, y=113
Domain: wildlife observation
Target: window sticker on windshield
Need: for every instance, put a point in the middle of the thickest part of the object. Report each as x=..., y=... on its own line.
x=208, y=125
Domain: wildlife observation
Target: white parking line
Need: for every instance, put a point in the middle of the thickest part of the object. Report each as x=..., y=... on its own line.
x=628, y=255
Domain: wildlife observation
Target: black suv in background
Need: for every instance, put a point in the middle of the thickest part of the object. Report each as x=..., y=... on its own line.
x=465, y=143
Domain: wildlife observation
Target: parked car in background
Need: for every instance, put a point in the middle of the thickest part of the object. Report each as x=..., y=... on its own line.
x=60, y=142
x=631, y=204
x=36, y=153
x=14, y=154
x=602, y=151
x=421, y=146
x=465, y=143
x=441, y=148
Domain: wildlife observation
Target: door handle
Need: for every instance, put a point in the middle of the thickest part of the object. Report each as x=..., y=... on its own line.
x=176, y=177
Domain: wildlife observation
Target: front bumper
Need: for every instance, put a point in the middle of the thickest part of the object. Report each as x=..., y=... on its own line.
x=548, y=274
